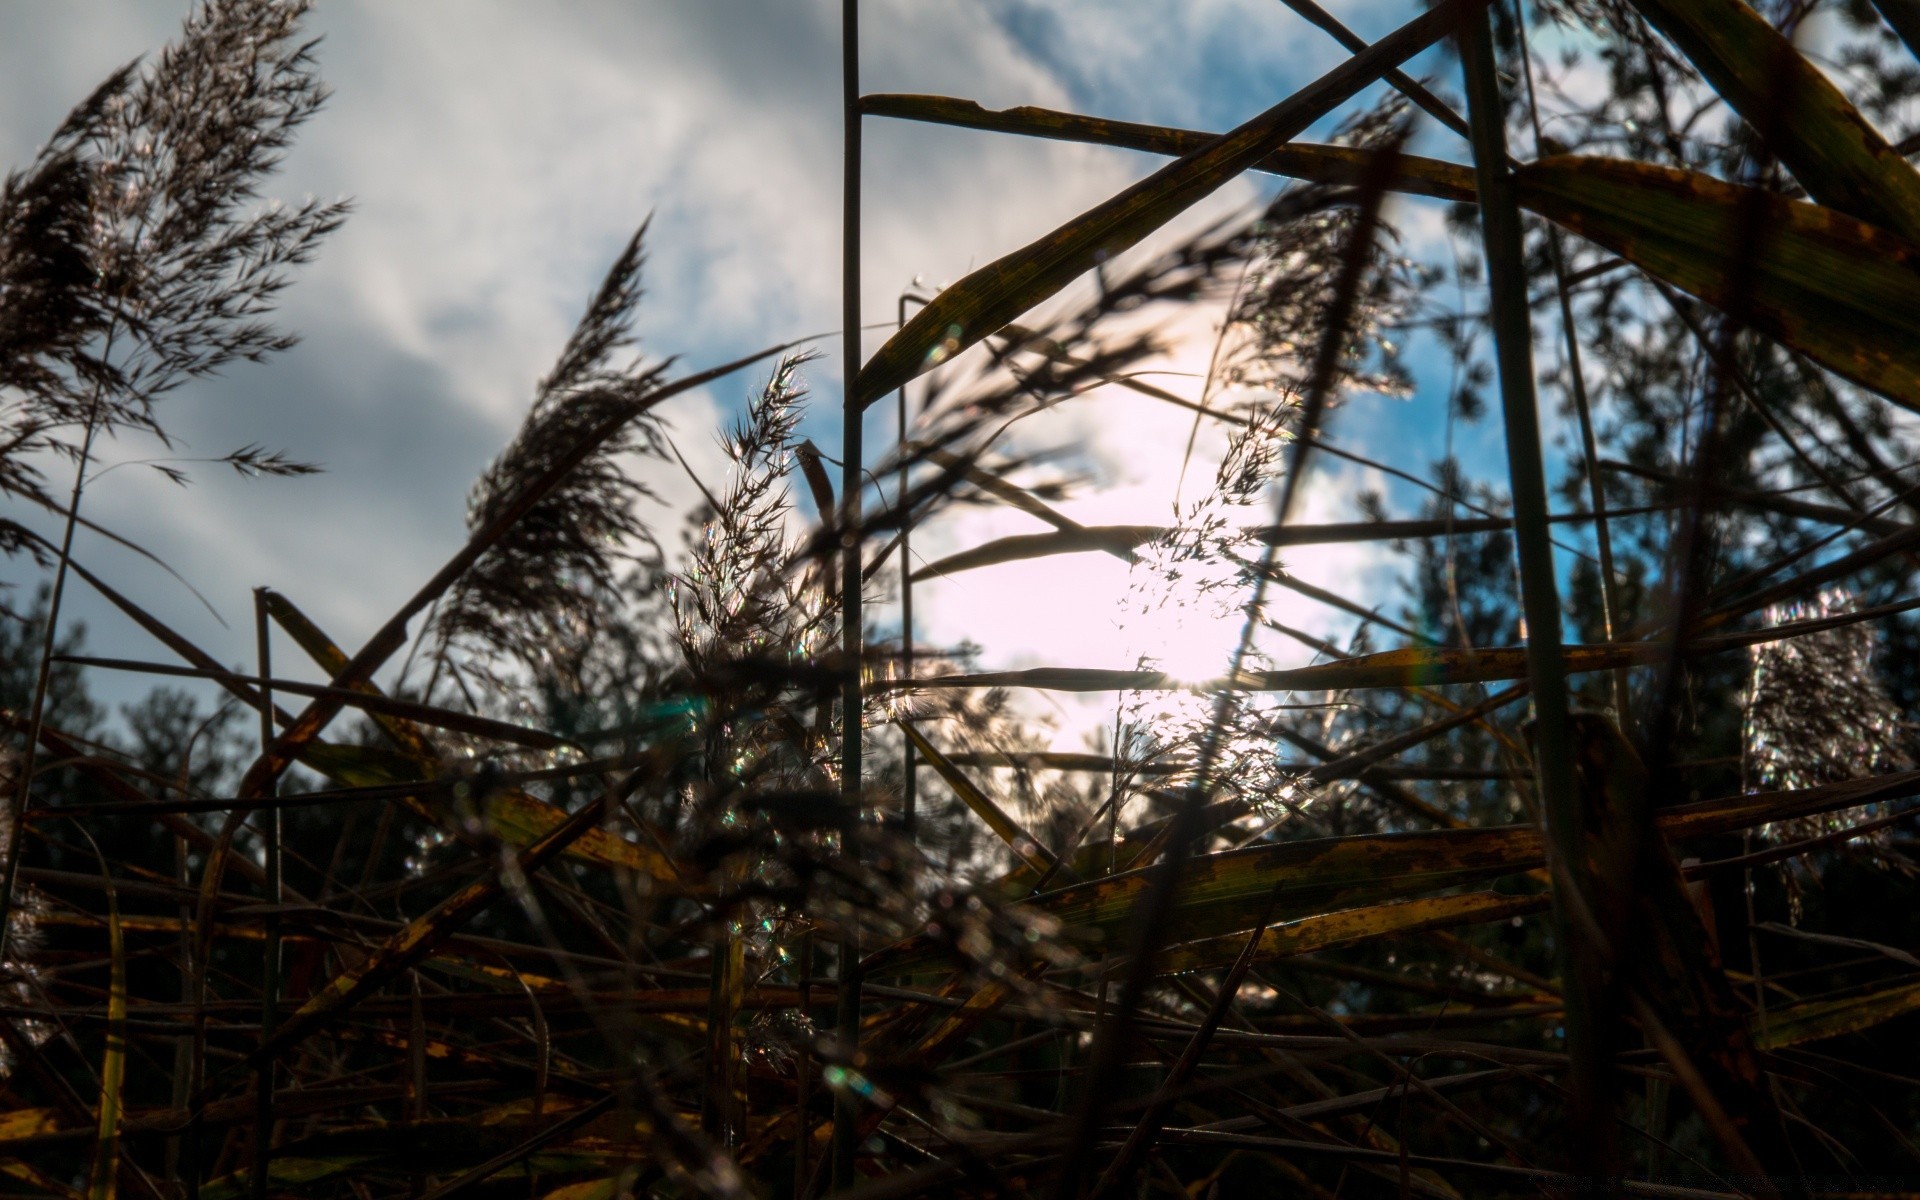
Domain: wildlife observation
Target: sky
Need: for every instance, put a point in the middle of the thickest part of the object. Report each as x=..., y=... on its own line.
x=499, y=152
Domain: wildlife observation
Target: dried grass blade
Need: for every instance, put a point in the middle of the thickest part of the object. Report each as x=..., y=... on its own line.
x=1815, y=1020
x=328, y=656
x=1037, y=857
x=350, y=697
x=1316, y=163
x=1354, y=926
x=1013, y=494
x=425, y=933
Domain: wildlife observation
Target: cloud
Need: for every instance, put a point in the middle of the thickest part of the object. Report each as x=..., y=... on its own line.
x=499, y=153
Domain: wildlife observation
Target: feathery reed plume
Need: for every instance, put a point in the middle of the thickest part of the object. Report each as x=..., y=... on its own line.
x=536, y=595
x=1303, y=243
x=179, y=153
x=1817, y=713
x=50, y=314
x=738, y=596
x=1186, y=609
x=184, y=276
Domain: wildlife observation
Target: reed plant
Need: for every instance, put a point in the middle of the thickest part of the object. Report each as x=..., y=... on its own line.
x=633, y=860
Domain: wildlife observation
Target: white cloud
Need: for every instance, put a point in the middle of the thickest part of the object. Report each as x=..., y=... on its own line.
x=500, y=152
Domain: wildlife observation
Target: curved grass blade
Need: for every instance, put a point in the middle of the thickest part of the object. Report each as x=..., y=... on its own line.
x=997, y=293
x=348, y=697
x=1841, y=291
x=1009, y=493
x=1353, y=926
x=1037, y=857
x=1317, y=163
x=1674, y=224
x=1119, y=540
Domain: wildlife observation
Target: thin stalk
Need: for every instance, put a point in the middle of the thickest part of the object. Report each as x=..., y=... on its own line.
x=846, y=1116
x=416, y=1069
x=721, y=1117
x=270, y=831
x=1540, y=597
x=1399, y=80
x=803, y=1074
x=183, y=1044
x=908, y=776
x=1610, y=615
x=23, y=785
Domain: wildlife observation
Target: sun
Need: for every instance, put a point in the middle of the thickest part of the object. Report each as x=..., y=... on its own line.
x=1192, y=640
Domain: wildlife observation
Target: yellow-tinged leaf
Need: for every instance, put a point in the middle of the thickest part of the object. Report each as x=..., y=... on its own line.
x=103, y=1177
x=1229, y=892
x=361, y=766
x=330, y=658
x=1813, y=1020
x=1226, y=893
x=1328, y=931
x=1830, y=147
x=510, y=980
x=21, y=1123
x=591, y=1189
x=287, y=1170
x=521, y=820
x=1037, y=857
x=1839, y=290
x=1730, y=814
x=38, y=1180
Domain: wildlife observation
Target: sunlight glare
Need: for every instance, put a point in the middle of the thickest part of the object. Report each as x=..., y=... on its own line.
x=1191, y=631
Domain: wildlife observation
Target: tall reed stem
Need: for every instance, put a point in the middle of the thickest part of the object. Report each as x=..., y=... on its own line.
x=908, y=776
x=1611, y=618
x=270, y=829
x=1539, y=589
x=846, y=1117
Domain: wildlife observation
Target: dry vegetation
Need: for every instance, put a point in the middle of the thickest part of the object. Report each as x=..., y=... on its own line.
x=593, y=894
